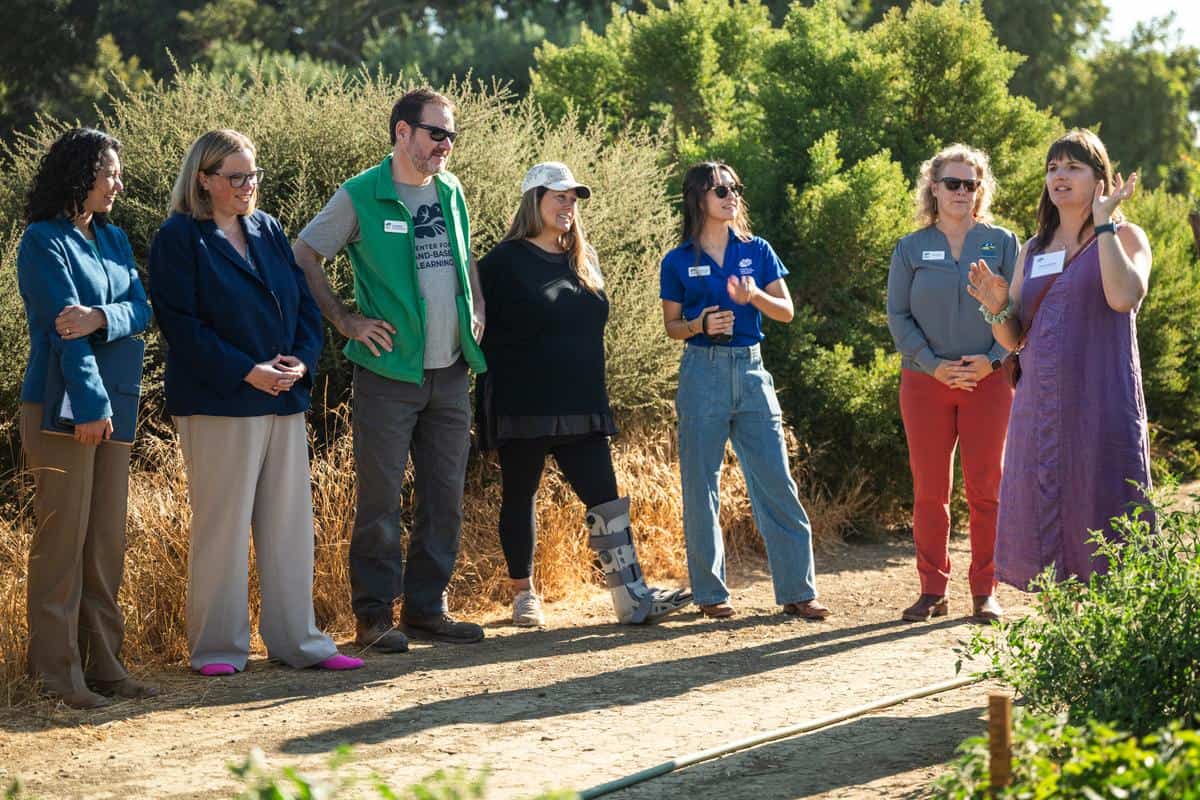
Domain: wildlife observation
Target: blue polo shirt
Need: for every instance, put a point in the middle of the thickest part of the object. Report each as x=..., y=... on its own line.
x=696, y=285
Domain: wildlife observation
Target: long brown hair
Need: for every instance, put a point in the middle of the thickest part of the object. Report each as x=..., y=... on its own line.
x=527, y=223
x=696, y=183
x=1083, y=146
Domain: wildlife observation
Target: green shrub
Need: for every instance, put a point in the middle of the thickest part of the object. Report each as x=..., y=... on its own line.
x=1052, y=759
x=847, y=414
x=842, y=229
x=1169, y=318
x=1125, y=647
x=313, y=135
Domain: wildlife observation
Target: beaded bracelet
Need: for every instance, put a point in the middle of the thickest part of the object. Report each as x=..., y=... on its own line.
x=996, y=319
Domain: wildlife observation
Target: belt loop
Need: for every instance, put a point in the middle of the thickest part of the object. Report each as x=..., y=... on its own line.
x=712, y=353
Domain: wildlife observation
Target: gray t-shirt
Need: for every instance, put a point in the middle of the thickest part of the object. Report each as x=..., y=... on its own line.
x=337, y=226
x=930, y=314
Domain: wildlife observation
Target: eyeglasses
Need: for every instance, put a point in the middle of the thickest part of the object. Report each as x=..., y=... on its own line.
x=239, y=179
x=953, y=184
x=436, y=133
x=722, y=190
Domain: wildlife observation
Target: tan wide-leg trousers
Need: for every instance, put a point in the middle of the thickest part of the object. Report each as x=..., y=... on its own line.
x=250, y=474
x=76, y=557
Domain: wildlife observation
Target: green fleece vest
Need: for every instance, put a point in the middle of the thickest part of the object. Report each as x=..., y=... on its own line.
x=385, y=272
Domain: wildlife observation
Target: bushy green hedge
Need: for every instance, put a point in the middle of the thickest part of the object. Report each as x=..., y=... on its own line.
x=311, y=137
x=1053, y=760
x=1125, y=647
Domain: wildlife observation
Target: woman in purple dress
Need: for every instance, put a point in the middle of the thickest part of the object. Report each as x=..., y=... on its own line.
x=1077, y=435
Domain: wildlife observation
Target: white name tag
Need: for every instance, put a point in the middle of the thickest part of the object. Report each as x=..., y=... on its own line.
x=700, y=271
x=1048, y=264
x=933, y=255
x=395, y=226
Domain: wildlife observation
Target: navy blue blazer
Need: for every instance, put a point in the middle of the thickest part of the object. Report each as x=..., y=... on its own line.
x=220, y=316
x=56, y=267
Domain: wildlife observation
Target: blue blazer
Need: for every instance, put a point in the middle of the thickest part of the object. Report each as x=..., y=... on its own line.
x=56, y=267
x=220, y=316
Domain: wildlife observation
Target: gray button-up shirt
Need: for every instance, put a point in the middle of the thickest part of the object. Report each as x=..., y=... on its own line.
x=930, y=314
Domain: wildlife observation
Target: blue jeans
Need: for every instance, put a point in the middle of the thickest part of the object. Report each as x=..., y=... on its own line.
x=725, y=393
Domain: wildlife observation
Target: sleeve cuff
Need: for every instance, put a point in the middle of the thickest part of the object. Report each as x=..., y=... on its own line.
x=926, y=360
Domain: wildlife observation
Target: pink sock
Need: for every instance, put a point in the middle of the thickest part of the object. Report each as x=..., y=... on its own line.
x=340, y=662
x=211, y=670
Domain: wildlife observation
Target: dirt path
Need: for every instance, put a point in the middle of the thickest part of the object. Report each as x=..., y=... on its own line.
x=571, y=706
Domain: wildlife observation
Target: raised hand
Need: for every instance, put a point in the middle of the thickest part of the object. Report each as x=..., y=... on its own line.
x=990, y=289
x=1104, y=205
x=741, y=290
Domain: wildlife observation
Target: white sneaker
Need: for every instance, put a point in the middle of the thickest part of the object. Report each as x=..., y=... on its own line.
x=527, y=610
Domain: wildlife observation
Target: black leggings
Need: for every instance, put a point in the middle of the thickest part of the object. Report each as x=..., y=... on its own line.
x=586, y=463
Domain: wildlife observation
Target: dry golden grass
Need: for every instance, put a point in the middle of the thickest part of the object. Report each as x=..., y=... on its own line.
x=154, y=589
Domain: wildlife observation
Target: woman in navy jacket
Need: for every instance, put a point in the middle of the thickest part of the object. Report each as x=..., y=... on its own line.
x=80, y=286
x=243, y=336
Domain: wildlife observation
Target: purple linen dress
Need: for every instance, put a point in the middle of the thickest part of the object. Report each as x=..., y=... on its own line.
x=1077, y=433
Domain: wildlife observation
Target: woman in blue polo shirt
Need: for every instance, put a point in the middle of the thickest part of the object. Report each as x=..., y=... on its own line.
x=715, y=288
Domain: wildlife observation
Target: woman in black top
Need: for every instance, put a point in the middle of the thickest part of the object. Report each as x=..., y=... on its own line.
x=544, y=391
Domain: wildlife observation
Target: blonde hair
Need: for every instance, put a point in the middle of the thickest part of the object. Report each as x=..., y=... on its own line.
x=527, y=223
x=931, y=171
x=206, y=155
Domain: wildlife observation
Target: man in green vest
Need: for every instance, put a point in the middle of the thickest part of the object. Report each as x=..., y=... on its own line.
x=405, y=228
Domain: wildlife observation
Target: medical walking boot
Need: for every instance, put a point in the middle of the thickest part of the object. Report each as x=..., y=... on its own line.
x=612, y=539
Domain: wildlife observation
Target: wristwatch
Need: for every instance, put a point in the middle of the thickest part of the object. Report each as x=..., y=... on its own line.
x=996, y=364
x=1107, y=227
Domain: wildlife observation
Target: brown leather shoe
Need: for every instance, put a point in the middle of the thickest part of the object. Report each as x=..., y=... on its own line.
x=126, y=689
x=442, y=628
x=986, y=607
x=720, y=610
x=809, y=609
x=927, y=605
x=379, y=635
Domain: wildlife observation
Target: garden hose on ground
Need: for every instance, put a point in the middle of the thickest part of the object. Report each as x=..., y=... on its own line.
x=778, y=733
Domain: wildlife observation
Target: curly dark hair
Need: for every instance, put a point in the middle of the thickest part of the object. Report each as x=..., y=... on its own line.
x=66, y=173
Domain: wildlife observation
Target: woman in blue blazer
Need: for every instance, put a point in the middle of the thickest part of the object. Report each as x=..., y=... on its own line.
x=80, y=286
x=243, y=336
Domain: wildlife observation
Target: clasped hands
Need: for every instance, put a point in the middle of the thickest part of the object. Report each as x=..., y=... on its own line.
x=965, y=373
x=277, y=375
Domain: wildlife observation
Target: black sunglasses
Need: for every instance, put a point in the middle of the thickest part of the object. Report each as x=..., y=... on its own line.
x=722, y=190
x=953, y=184
x=436, y=133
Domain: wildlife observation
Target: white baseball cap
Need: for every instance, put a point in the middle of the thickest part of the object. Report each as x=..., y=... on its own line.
x=553, y=175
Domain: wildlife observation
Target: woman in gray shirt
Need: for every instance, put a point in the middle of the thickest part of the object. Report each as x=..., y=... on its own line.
x=952, y=391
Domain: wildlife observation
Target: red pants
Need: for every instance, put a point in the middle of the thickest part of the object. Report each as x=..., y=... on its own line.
x=937, y=417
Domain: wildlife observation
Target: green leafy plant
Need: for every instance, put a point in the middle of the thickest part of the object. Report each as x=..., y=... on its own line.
x=286, y=783
x=1054, y=759
x=1125, y=647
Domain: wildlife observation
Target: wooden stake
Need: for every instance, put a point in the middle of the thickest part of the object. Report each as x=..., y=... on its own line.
x=999, y=740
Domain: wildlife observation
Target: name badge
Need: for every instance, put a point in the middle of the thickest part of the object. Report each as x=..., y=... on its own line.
x=701, y=271
x=933, y=255
x=1048, y=264
x=395, y=226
